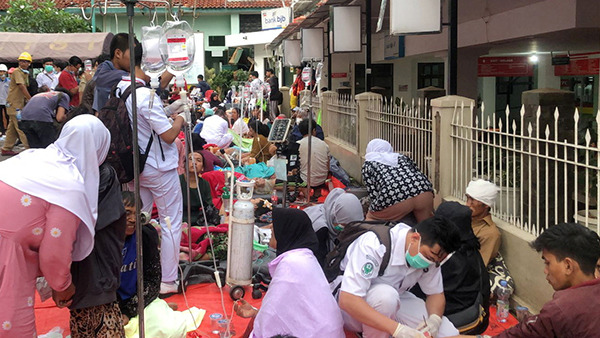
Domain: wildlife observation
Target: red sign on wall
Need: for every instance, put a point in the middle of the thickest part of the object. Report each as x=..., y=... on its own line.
x=504, y=66
x=579, y=65
x=339, y=75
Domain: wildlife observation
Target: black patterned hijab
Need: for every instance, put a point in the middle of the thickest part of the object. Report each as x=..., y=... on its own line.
x=293, y=230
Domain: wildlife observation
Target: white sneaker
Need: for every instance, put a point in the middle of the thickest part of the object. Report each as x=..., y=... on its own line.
x=169, y=288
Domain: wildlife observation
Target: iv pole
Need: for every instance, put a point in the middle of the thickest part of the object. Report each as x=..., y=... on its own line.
x=136, y=169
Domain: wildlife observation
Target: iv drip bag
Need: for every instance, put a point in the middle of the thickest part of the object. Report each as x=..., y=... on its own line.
x=177, y=46
x=152, y=62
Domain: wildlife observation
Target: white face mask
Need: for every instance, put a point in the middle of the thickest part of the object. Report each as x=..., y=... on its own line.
x=298, y=120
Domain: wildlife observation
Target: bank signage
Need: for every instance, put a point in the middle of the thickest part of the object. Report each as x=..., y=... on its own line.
x=275, y=18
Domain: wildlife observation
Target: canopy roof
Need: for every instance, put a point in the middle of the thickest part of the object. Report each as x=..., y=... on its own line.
x=57, y=46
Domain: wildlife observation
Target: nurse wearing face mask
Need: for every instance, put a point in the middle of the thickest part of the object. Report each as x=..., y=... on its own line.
x=47, y=80
x=379, y=304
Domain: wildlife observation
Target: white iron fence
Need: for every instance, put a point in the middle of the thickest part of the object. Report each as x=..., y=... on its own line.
x=407, y=127
x=341, y=119
x=545, y=161
x=306, y=103
x=546, y=173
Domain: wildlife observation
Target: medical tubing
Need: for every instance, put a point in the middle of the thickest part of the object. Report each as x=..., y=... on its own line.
x=212, y=249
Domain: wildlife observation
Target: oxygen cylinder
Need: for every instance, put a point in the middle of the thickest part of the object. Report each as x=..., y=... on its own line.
x=241, y=236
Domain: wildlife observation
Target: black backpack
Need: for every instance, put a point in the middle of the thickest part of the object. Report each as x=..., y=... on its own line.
x=115, y=117
x=350, y=233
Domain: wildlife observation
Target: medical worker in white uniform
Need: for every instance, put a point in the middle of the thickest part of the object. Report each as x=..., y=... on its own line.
x=380, y=306
x=159, y=182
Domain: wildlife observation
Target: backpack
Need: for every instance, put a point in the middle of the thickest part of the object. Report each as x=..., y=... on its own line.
x=350, y=233
x=115, y=117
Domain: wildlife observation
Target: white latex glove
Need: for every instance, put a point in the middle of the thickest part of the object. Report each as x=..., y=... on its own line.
x=175, y=107
x=185, y=116
x=403, y=331
x=432, y=325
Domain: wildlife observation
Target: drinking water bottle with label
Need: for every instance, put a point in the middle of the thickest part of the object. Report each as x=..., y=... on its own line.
x=274, y=198
x=502, y=304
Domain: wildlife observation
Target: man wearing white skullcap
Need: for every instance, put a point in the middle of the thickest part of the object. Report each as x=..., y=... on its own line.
x=481, y=196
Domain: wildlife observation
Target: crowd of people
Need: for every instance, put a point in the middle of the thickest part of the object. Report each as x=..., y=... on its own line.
x=69, y=219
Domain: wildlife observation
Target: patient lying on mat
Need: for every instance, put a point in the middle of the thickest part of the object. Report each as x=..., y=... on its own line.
x=160, y=319
x=298, y=301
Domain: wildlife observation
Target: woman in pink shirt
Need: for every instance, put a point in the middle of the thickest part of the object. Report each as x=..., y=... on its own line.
x=48, y=203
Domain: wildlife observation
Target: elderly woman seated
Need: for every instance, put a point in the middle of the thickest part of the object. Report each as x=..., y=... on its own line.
x=395, y=185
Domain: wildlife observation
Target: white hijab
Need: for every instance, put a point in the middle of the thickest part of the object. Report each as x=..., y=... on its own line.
x=65, y=174
x=381, y=151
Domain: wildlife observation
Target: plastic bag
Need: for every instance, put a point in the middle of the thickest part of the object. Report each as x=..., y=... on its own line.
x=43, y=288
x=56, y=332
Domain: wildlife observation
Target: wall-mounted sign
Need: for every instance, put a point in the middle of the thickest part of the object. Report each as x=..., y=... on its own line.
x=275, y=18
x=339, y=75
x=346, y=33
x=415, y=16
x=504, y=66
x=292, y=53
x=580, y=64
x=312, y=44
x=393, y=47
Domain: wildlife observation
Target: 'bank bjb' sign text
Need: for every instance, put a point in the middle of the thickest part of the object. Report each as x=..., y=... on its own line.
x=275, y=18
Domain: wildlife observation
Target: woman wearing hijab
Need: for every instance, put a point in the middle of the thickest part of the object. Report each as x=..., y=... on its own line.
x=261, y=147
x=214, y=100
x=395, y=185
x=329, y=218
x=48, y=203
x=299, y=301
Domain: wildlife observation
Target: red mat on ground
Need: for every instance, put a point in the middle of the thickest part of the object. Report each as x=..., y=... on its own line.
x=203, y=296
x=207, y=297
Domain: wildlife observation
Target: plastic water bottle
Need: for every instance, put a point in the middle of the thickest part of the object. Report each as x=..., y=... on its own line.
x=18, y=114
x=502, y=304
x=226, y=196
x=274, y=198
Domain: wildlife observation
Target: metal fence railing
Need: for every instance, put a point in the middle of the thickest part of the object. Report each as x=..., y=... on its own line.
x=407, y=127
x=341, y=119
x=546, y=172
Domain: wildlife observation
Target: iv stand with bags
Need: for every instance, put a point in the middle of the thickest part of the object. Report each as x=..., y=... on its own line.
x=152, y=62
x=176, y=46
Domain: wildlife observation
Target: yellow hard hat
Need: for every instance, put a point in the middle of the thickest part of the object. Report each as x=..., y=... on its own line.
x=25, y=57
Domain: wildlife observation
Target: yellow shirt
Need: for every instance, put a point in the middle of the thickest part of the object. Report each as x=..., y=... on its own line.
x=489, y=237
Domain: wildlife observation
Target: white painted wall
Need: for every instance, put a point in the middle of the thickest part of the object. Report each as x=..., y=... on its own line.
x=546, y=77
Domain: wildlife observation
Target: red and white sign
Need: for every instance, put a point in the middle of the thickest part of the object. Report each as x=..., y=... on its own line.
x=581, y=64
x=504, y=66
x=339, y=75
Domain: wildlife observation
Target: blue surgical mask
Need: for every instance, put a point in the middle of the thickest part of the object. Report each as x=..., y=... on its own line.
x=417, y=261
x=49, y=68
x=25, y=71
